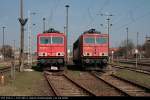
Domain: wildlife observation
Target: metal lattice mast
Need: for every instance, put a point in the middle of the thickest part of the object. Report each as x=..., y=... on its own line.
x=127, y=43
x=29, y=39
x=108, y=27
x=44, y=24
x=4, y=42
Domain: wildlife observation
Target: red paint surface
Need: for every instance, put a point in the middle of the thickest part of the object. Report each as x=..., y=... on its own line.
x=51, y=50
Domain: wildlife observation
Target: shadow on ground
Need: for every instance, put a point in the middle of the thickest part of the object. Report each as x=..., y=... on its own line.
x=37, y=68
x=74, y=67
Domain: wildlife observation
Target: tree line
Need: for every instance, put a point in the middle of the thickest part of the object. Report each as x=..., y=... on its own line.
x=7, y=51
x=128, y=51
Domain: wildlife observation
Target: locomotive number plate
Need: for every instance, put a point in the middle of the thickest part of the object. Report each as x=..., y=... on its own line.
x=54, y=68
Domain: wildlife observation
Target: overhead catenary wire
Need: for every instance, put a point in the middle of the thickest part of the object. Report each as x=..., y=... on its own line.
x=52, y=10
x=130, y=14
x=106, y=3
x=131, y=22
x=92, y=19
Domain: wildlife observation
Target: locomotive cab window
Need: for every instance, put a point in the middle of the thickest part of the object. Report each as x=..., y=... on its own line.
x=101, y=40
x=89, y=40
x=57, y=40
x=45, y=40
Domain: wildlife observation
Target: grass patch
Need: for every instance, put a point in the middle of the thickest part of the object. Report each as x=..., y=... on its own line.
x=134, y=76
x=25, y=84
x=122, y=64
x=1, y=66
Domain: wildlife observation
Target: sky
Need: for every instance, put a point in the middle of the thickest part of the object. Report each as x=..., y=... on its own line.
x=83, y=15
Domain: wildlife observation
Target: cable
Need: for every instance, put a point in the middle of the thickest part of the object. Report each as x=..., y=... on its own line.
x=130, y=12
x=106, y=3
x=52, y=12
x=139, y=18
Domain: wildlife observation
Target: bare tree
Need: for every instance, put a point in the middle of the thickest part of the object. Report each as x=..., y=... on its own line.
x=7, y=51
x=146, y=48
x=122, y=51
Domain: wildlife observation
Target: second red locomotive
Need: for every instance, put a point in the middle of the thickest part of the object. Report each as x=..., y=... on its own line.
x=51, y=49
x=91, y=48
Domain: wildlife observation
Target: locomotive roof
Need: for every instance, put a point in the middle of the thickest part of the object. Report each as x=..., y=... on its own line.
x=51, y=30
x=92, y=31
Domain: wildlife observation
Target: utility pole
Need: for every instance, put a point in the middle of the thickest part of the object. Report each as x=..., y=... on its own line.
x=29, y=39
x=22, y=24
x=112, y=53
x=13, y=62
x=137, y=43
x=14, y=47
x=14, y=59
x=44, y=24
x=67, y=6
x=137, y=40
x=137, y=51
x=108, y=26
x=127, y=44
x=4, y=42
x=64, y=29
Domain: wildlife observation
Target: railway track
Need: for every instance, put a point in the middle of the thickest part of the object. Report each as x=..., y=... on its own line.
x=140, y=63
x=7, y=69
x=62, y=85
x=94, y=84
x=131, y=69
x=4, y=70
x=124, y=86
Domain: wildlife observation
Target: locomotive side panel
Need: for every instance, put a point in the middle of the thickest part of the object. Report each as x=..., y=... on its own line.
x=76, y=51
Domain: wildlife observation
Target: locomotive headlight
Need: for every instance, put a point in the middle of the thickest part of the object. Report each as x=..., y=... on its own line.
x=42, y=54
x=87, y=54
x=60, y=54
x=84, y=54
x=103, y=54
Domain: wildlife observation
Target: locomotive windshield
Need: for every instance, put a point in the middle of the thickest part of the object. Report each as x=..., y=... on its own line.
x=101, y=40
x=57, y=40
x=89, y=40
x=45, y=40
x=51, y=40
x=95, y=40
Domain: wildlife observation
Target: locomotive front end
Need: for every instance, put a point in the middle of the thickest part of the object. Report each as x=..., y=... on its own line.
x=51, y=50
x=95, y=49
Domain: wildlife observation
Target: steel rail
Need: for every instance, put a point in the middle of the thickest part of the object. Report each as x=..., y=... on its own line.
x=118, y=89
x=78, y=85
x=56, y=92
x=126, y=81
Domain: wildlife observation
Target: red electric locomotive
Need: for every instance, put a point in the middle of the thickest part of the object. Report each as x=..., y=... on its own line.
x=51, y=49
x=91, y=50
